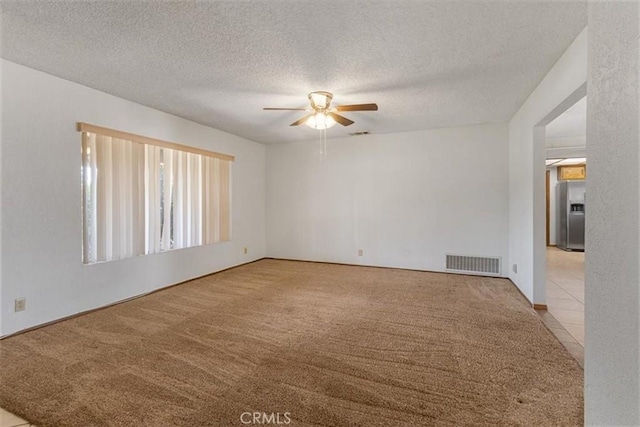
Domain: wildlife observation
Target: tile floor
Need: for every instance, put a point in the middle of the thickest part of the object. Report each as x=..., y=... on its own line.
x=565, y=299
x=7, y=419
x=565, y=290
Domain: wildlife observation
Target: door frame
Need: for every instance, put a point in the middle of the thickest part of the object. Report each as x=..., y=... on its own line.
x=539, y=169
x=548, y=179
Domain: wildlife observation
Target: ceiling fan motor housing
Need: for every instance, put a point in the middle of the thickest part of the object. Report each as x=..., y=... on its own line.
x=320, y=100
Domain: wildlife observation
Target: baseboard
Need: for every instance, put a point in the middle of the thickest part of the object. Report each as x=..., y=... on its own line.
x=122, y=301
x=390, y=268
x=520, y=292
x=82, y=313
x=535, y=306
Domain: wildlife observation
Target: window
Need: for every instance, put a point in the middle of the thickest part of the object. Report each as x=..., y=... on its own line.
x=143, y=196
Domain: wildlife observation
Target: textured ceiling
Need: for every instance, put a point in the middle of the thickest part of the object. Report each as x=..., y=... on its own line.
x=570, y=124
x=426, y=64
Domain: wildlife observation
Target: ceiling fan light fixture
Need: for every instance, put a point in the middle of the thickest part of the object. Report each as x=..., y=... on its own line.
x=322, y=115
x=320, y=121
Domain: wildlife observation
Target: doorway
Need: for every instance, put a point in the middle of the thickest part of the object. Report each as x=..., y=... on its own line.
x=559, y=274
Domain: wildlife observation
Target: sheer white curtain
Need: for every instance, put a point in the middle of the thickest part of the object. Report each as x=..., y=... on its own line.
x=152, y=198
x=113, y=190
x=210, y=203
x=181, y=203
x=186, y=218
x=167, y=185
x=224, y=183
x=142, y=198
x=201, y=191
x=217, y=201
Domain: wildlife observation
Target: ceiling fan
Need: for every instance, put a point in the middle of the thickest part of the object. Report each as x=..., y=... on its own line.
x=322, y=115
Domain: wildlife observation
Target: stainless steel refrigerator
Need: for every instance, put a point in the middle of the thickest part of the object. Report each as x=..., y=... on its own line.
x=571, y=215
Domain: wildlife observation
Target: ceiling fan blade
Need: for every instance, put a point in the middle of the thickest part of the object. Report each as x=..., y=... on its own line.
x=287, y=109
x=340, y=119
x=358, y=107
x=301, y=121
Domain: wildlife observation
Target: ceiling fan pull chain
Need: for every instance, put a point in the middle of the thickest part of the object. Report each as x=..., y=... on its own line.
x=324, y=144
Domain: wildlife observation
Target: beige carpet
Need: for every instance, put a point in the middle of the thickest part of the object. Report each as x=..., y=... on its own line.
x=330, y=345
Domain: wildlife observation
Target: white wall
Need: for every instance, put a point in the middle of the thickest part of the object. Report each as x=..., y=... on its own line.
x=612, y=311
x=565, y=153
x=41, y=199
x=527, y=167
x=568, y=142
x=406, y=199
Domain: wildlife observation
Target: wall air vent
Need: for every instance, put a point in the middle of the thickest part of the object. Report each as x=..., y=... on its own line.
x=362, y=132
x=485, y=266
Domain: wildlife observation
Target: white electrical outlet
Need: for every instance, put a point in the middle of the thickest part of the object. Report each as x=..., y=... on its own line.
x=515, y=268
x=20, y=304
x=245, y=251
x=360, y=252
